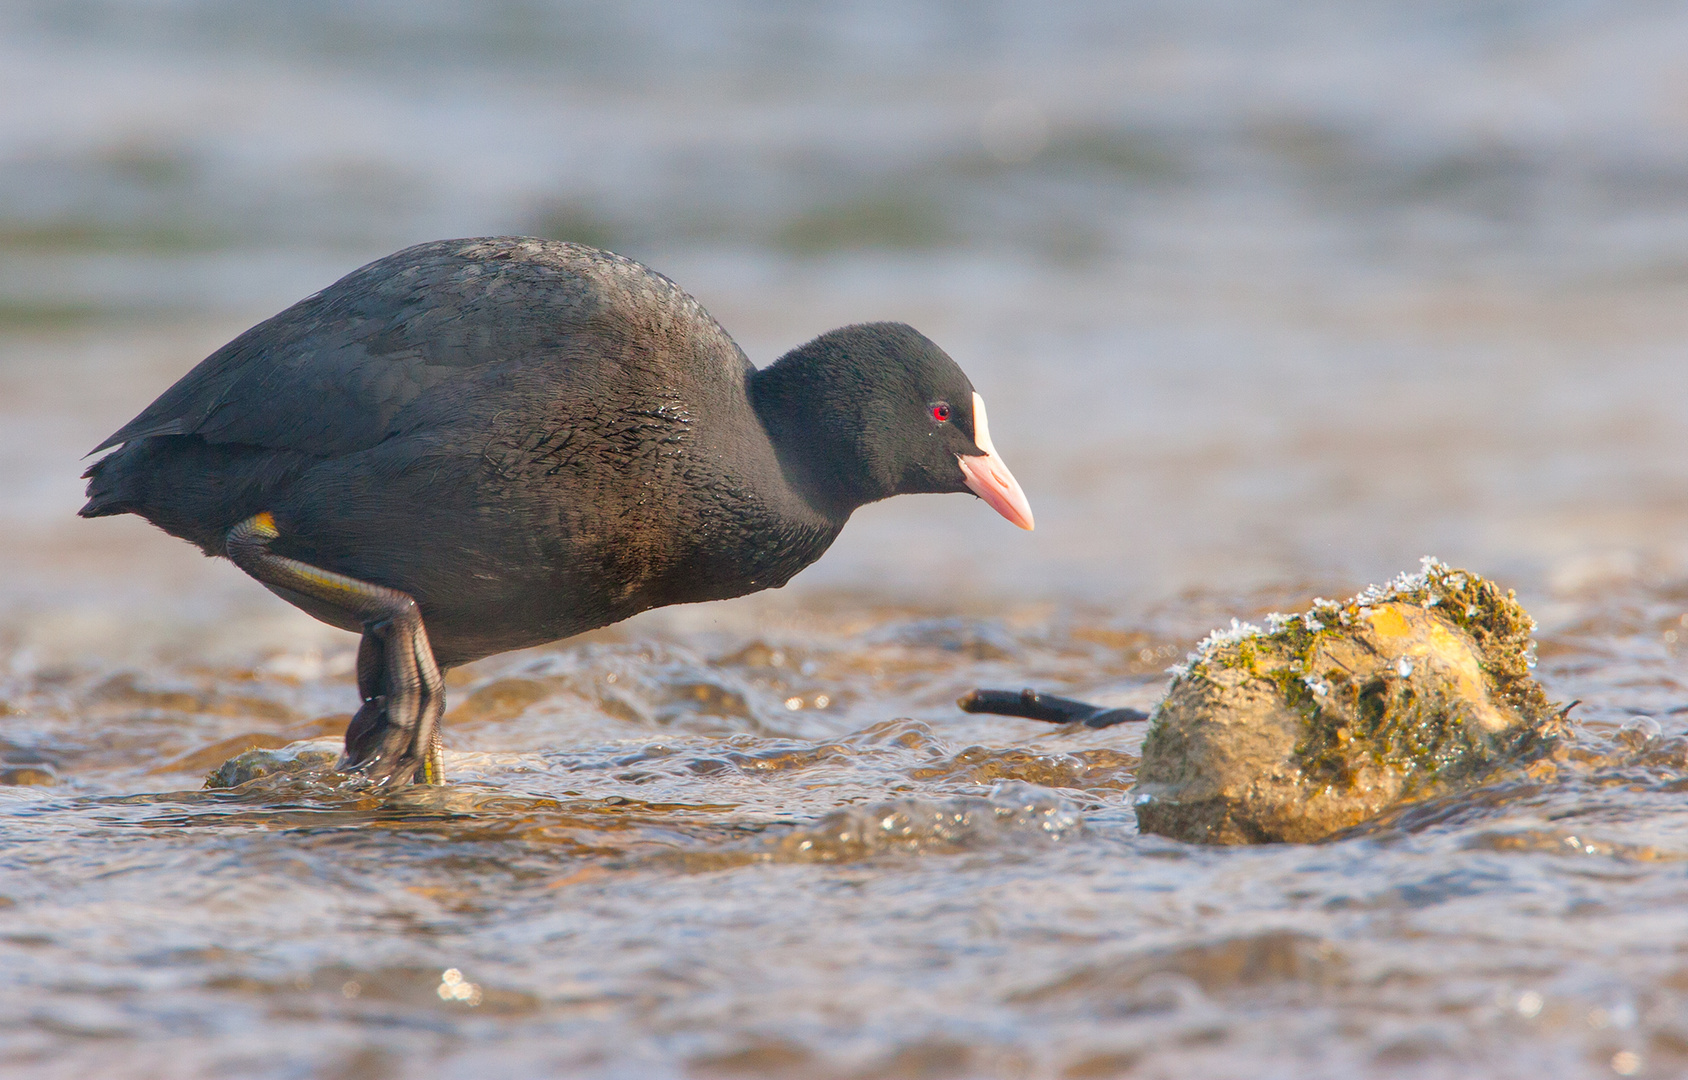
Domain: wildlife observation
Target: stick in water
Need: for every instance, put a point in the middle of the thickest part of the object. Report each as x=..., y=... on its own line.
x=1030, y=705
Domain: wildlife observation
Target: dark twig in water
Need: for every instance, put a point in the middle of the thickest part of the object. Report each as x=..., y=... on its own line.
x=1030, y=705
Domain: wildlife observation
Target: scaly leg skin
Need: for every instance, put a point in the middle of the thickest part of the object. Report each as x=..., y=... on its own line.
x=395, y=736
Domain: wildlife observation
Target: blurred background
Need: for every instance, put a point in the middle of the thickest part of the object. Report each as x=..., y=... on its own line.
x=1260, y=293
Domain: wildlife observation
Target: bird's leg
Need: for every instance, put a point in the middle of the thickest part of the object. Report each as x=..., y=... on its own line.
x=395, y=736
x=372, y=729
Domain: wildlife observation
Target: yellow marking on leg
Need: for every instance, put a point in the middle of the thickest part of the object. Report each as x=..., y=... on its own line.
x=250, y=540
x=330, y=582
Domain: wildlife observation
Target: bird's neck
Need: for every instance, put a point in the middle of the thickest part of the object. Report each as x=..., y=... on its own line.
x=816, y=415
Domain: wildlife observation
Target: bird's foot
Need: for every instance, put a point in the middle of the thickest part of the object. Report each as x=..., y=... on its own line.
x=372, y=737
x=395, y=736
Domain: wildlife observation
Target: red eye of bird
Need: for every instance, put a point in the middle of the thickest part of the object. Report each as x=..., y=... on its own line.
x=940, y=412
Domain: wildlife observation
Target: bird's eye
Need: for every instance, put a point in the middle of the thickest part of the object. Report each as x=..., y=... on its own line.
x=941, y=412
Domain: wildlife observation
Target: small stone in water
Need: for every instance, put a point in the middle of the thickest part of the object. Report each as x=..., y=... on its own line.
x=304, y=758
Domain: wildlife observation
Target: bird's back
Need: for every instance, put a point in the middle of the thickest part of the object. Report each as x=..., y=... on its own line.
x=336, y=372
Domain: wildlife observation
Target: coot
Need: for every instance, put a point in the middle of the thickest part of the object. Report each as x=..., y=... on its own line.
x=479, y=445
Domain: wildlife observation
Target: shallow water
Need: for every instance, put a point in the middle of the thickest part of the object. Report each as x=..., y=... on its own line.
x=1268, y=301
x=774, y=847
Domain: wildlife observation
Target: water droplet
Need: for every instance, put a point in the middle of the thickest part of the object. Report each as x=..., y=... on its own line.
x=1645, y=726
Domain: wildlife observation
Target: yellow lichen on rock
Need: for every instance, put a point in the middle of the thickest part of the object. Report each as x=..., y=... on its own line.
x=1324, y=719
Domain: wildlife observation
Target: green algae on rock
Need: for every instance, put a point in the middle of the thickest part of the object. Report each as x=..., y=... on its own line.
x=1321, y=720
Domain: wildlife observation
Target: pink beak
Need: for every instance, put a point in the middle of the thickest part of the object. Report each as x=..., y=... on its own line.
x=989, y=477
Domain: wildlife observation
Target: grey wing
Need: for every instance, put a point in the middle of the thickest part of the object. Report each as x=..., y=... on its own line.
x=332, y=374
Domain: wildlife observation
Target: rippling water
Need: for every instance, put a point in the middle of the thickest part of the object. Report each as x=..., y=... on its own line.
x=775, y=848
x=1268, y=300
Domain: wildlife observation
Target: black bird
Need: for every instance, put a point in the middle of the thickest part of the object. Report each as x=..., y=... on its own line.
x=479, y=445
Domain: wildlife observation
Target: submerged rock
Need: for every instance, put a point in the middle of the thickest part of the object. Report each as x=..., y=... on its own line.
x=1321, y=720
x=28, y=776
x=295, y=759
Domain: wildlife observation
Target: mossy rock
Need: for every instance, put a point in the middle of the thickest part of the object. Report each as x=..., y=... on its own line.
x=1322, y=720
